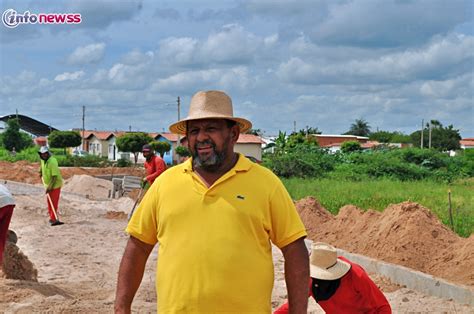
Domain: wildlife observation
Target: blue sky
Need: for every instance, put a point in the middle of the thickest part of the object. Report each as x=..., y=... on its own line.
x=320, y=63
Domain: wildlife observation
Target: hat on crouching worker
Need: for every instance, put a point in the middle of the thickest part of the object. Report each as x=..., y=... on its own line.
x=324, y=263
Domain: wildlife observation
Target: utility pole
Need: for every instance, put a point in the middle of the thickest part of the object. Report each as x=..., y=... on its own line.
x=294, y=126
x=422, y=126
x=429, y=135
x=83, y=126
x=179, y=109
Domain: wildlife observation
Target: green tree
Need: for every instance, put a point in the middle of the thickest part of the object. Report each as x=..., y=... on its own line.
x=257, y=132
x=133, y=143
x=399, y=137
x=389, y=137
x=183, y=151
x=161, y=147
x=309, y=130
x=64, y=139
x=381, y=136
x=442, y=138
x=350, y=146
x=13, y=137
x=360, y=128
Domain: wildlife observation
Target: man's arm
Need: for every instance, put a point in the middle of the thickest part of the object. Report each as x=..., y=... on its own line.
x=130, y=273
x=51, y=184
x=296, y=275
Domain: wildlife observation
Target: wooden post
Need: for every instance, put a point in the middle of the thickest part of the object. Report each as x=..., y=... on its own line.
x=450, y=210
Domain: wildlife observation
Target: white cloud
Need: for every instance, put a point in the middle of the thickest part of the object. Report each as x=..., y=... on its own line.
x=234, y=78
x=231, y=45
x=136, y=57
x=69, y=76
x=443, y=58
x=87, y=54
x=178, y=51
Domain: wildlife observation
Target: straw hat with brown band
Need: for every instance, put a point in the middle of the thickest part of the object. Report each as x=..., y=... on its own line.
x=324, y=263
x=210, y=105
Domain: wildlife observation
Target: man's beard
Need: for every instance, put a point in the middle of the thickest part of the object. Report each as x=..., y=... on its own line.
x=213, y=162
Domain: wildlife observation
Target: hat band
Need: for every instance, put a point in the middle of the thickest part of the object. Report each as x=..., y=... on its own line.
x=332, y=265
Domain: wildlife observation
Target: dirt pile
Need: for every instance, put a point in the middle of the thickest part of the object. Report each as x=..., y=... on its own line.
x=27, y=172
x=88, y=186
x=16, y=265
x=116, y=215
x=407, y=234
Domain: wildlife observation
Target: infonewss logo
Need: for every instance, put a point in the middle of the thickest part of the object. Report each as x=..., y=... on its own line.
x=12, y=19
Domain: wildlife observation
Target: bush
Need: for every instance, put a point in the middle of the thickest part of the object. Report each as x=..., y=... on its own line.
x=122, y=162
x=86, y=161
x=350, y=146
x=301, y=161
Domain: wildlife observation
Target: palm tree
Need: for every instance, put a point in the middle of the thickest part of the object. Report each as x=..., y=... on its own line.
x=360, y=128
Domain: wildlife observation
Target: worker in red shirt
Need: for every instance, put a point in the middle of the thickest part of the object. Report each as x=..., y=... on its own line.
x=341, y=286
x=154, y=166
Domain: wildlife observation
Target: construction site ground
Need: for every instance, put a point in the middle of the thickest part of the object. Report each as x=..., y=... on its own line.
x=73, y=268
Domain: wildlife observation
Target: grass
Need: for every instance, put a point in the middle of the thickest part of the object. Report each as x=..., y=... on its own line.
x=378, y=194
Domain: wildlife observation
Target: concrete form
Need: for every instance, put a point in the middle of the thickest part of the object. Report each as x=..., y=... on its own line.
x=411, y=279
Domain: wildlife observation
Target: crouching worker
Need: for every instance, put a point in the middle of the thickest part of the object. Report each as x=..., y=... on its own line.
x=7, y=203
x=341, y=286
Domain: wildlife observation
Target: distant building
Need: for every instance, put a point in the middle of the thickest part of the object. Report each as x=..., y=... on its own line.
x=467, y=143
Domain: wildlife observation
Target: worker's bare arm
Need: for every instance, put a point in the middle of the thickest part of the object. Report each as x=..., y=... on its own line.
x=296, y=275
x=130, y=273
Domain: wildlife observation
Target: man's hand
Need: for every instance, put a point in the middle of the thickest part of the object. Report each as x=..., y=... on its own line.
x=143, y=183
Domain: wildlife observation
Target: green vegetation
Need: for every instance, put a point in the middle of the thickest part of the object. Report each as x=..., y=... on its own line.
x=13, y=138
x=378, y=194
x=183, y=151
x=64, y=139
x=442, y=138
x=64, y=160
x=161, y=147
x=133, y=143
x=350, y=147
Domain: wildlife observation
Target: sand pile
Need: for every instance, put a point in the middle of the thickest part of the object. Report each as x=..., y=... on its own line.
x=91, y=187
x=27, y=172
x=407, y=234
x=21, y=171
x=116, y=215
x=16, y=265
x=312, y=213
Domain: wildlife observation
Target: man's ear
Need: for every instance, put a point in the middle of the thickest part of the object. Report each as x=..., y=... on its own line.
x=235, y=132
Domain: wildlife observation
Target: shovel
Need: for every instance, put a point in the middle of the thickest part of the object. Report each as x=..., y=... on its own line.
x=52, y=206
x=136, y=202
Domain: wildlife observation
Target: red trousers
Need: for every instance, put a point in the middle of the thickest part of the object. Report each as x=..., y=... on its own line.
x=5, y=217
x=54, y=195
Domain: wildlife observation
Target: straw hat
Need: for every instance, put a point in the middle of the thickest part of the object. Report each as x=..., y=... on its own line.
x=324, y=263
x=210, y=105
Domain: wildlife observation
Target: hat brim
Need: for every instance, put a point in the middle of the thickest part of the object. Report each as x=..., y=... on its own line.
x=180, y=126
x=335, y=272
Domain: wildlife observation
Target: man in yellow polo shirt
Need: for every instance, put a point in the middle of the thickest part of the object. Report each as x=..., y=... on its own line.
x=52, y=181
x=215, y=217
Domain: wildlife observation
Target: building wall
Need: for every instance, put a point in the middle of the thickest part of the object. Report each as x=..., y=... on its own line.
x=249, y=149
x=325, y=141
x=168, y=157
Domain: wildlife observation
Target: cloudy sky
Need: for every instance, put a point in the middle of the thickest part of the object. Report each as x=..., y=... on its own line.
x=314, y=63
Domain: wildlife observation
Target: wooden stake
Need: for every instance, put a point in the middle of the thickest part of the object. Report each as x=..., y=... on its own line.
x=450, y=210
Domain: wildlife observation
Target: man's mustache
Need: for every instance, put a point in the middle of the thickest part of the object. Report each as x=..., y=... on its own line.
x=205, y=143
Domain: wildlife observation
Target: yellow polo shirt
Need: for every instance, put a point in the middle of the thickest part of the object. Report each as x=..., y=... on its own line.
x=214, y=243
x=50, y=168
